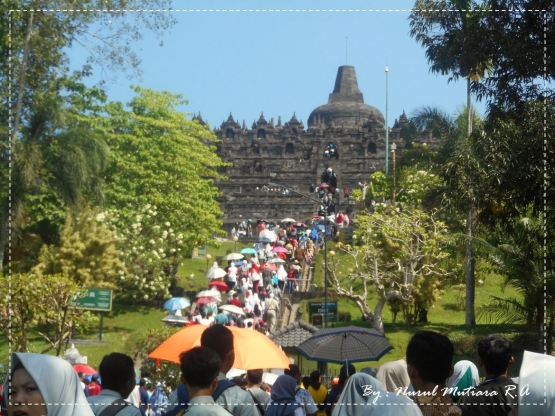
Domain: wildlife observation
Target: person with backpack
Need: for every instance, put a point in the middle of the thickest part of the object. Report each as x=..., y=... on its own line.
x=237, y=400
x=158, y=401
x=117, y=372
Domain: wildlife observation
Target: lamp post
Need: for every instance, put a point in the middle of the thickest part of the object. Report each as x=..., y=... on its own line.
x=386, y=119
x=393, y=148
x=235, y=238
x=208, y=258
x=325, y=250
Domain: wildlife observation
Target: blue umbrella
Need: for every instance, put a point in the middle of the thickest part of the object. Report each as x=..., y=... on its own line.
x=176, y=303
x=248, y=250
x=264, y=240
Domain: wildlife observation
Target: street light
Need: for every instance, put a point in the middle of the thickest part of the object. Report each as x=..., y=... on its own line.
x=235, y=238
x=208, y=258
x=325, y=250
x=393, y=148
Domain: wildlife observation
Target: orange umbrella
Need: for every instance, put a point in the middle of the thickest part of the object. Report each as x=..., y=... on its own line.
x=253, y=350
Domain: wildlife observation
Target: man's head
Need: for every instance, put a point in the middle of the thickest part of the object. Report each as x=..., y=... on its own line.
x=200, y=367
x=254, y=376
x=429, y=358
x=294, y=372
x=315, y=377
x=496, y=355
x=81, y=375
x=117, y=372
x=220, y=339
x=346, y=372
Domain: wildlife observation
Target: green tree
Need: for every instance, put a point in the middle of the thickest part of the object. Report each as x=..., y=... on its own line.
x=165, y=371
x=453, y=47
x=86, y=254
x=35, y=43
x=401, y=253
x=161, y=158
x=31, y=303
x=519, y=257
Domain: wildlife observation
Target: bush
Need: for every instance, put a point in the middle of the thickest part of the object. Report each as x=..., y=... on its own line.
x=344, y=316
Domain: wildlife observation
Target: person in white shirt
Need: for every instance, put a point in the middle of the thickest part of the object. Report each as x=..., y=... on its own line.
x=231, y=276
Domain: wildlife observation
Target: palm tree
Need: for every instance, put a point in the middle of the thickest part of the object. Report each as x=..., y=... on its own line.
x=519, y=257
x=455, y=51
x=56, y=154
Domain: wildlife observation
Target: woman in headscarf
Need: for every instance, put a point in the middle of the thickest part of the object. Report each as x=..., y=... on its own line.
x=355, y=394
x=465, y=375
x=44, y=385
x=393, y=376
x=283, y=401
x=363, y=395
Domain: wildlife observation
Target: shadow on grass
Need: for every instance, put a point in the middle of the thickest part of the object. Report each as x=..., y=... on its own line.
x=120, y=308
x=452, y=307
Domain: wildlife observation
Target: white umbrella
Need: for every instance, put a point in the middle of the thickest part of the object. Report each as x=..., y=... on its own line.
x=213, y=293
x=174, y=319
x=233, y=256
x=276, y=260
x=288, y=220
x=216, y=273
x=269, y=234
x=232, y=309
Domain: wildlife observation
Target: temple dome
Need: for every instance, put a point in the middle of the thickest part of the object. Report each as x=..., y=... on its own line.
x=345, y=107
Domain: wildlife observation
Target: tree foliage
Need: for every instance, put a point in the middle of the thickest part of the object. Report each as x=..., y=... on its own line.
x=33, y=305
x=149, y=251
x=157, y=370
x=87, y=253
x=401, y=253
x=161, y=158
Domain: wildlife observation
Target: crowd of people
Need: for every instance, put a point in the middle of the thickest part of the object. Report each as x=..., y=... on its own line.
x=424, y=383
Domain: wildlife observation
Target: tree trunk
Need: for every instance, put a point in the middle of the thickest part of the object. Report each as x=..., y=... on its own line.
x=4, y=232
x=378, y=321
x=4, y=227
x=470, y=316
x=468, y=106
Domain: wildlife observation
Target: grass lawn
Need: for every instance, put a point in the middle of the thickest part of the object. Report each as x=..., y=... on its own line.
x=124, y=324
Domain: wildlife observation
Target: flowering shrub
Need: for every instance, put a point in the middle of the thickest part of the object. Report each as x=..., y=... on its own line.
x=147, y=249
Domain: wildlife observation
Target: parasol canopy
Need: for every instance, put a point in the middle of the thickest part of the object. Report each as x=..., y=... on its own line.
x=247, y=345
x=346, y=344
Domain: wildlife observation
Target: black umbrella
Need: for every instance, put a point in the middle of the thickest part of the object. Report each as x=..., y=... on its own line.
x=347, y=344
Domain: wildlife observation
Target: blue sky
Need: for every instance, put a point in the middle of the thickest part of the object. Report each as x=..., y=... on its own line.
x=280, y=62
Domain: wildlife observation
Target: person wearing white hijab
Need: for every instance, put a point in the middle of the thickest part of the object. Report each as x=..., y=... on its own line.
x=44, y=379
x=363, y=396
x=282, y=276
x=465, y=375
x=355, y=395
x=536, y=386
x=393, y=375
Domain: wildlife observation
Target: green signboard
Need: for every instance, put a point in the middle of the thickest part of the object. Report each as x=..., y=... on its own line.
x=95, y=300
x=200, y=252
x=316, y=311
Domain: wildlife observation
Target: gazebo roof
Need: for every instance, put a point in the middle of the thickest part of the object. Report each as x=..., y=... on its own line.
x=293, y=334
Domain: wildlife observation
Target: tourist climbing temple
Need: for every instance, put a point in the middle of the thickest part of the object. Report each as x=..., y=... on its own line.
x=345, y=134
